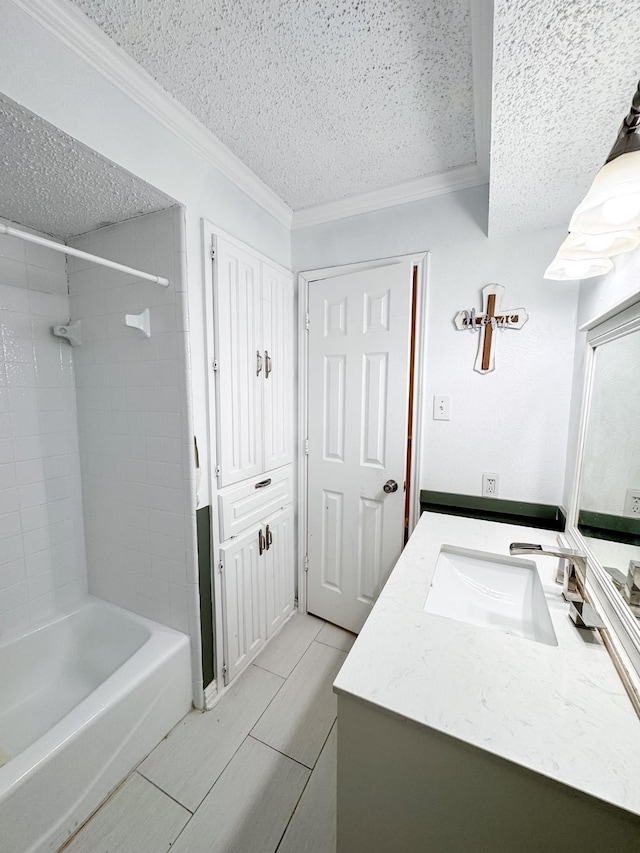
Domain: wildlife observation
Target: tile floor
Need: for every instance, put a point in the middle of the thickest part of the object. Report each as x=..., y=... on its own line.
x=257, y=774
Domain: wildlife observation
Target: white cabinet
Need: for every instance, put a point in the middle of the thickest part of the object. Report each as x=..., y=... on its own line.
x=258, y=587
x=243, y=600
x=247, y=503
x=252, y=344
x=254, y=324
x=279, y=580
x=277, y=330
x=238, y=343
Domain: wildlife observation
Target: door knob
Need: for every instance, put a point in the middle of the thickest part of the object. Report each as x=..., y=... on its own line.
x=390, y=486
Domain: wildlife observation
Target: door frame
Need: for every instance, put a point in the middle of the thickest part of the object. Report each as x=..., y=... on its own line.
x=421, y=261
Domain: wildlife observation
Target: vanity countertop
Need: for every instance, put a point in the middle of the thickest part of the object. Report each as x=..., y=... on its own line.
x=561, y=711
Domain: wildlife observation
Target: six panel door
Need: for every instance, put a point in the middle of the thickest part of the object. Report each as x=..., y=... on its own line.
x=359, y=348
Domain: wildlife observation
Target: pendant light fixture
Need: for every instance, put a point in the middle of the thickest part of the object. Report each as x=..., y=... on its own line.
x=607, y=220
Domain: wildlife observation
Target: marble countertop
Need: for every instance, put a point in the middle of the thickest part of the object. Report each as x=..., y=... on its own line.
x=559, y=711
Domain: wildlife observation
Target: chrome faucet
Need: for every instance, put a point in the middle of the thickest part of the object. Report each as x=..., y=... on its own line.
x=572, y=574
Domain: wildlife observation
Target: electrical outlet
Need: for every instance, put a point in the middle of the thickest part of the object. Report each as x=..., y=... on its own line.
x=442, y=408
x=490, y=485
x=632, y=503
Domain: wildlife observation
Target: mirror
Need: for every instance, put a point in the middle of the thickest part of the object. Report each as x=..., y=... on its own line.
x=608, y=507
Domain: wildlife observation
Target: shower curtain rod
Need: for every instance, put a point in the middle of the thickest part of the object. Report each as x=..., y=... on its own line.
x=68, y=250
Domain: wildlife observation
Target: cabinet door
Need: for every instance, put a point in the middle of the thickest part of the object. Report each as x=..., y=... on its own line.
x=240, y=356
x=279, y=574
x=243, y=600
x=278, y=327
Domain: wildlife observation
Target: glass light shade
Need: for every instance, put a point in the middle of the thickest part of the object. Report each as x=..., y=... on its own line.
x=584, y=246
x=613, y=202
x=568, y=269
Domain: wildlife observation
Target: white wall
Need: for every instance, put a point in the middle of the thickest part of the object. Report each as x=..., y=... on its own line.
x=601, y=294
x=42, y=556
x=49, y=79
x=136, y=442
x=514, y=421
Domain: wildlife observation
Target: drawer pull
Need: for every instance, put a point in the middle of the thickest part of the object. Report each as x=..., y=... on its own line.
x=269, y=537
x=261, y=542
x=263, y=483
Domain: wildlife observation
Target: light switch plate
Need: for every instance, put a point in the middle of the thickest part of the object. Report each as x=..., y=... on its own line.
x=442, y=408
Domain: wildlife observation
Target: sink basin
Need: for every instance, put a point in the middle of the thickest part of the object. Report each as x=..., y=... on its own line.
x=494, y=591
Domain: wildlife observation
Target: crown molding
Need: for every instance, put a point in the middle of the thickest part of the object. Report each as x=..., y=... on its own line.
x=438, y=183
x=71, y=27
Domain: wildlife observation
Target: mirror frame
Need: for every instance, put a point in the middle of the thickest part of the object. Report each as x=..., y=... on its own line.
x=623, y=635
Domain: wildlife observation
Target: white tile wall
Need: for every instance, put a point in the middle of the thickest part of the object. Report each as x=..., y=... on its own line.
x=136, y=438
x=42, y=555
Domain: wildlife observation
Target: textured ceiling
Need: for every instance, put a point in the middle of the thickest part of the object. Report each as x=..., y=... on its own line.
x=323, y=99
x=54, y=184
x=564, y=74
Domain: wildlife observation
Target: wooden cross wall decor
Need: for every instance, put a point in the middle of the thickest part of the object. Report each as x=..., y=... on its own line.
x=488, y=322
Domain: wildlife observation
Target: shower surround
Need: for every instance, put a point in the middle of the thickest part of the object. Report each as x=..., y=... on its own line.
x=42, y=552
x=97, y=476
x=136, y=439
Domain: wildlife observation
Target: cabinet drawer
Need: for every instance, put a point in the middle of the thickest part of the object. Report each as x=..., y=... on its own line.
x=250, y=502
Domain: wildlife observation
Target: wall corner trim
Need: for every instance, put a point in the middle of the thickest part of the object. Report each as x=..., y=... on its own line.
x=72, y=28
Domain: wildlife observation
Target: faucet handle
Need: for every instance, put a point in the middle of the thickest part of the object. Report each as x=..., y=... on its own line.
x=583, y=615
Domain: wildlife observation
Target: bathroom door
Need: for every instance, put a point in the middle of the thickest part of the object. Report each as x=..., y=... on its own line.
x=359, y=351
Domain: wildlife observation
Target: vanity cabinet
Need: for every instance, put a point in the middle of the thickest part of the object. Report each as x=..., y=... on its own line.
x=254, y=364
x=257, y=587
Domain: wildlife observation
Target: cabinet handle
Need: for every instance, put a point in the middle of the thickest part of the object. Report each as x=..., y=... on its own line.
x=269, y=537
x=267, y=364
x=263, y=483
x=260, y=541
x=258, y=362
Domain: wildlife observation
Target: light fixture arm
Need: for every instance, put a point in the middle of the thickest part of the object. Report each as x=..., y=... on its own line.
x=628, y=138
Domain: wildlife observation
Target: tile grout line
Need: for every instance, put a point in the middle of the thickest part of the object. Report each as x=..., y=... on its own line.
x=186, y=808
x=285, y=678
x=305, y=787
x=279, y=751
x=331, y=646
x=246, y=738
x=305, y=650
x=232, y=757
x=162, y=791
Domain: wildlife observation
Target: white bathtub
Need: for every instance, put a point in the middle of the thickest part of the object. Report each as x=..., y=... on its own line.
x=82, y=700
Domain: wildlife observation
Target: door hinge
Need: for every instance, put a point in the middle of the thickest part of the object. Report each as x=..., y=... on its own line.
x=220, y=566
x=306, y=562
x=218, y=472
x=214, y=364
x=212, y=253
x=306, y=447
x=306, y=321
x=225, y=672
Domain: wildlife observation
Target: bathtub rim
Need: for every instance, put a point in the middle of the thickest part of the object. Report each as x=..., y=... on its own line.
x=161, y=644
